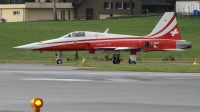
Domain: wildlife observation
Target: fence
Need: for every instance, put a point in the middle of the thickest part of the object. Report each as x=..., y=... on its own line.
x=27, y=55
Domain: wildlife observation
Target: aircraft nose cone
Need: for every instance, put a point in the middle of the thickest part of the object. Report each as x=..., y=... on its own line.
x=20, y=47
x=27, y=46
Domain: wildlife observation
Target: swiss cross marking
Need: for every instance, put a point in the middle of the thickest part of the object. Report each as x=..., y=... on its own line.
x=174, y=32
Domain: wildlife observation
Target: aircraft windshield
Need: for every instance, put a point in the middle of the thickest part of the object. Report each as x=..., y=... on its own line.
x=69, y=35
x=78, y=34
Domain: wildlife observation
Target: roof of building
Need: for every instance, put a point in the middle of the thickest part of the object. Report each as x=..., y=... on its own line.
x=155, y=2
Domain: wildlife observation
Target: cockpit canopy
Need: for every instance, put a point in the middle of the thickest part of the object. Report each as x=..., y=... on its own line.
x=88, y=34
x=75, y=34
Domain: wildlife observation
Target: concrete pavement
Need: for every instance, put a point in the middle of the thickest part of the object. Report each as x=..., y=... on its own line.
x=65, y=89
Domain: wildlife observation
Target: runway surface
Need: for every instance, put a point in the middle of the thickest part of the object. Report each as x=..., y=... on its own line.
x=65, y=89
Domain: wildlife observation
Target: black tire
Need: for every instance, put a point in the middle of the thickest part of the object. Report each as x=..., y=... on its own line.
x=116, y=61
x=59, y=61
x=131, y=62
x=134, y=62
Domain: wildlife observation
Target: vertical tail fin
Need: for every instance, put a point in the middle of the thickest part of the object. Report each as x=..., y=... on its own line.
x=167, y=28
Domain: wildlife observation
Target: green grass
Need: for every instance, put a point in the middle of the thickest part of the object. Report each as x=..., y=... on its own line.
x=175, y=67
x=149, y=68
x=19, y=33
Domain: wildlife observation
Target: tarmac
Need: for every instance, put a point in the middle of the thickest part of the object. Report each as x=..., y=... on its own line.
x=66, y=89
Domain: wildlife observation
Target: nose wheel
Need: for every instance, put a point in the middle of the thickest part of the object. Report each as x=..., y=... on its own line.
x=59, y=55
x=59, y=61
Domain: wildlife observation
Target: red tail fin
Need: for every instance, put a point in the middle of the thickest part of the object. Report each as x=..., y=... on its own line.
x=167, y=28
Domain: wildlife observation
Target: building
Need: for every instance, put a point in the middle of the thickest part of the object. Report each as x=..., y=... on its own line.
x=188, y=7
x=102, y=9
x=34, y=11
x=68, y=9
x=156, y=6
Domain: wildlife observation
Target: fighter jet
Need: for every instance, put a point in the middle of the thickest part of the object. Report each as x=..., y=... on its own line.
x=164, y=37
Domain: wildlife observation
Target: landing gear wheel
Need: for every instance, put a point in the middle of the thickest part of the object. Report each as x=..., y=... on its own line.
x=59, y=61
x=116, y=60
x=131, y=62
x=134, y=62
x=59, y=56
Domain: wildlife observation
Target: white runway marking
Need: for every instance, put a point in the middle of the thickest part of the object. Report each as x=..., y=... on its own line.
x=49, y=79
x=79, y=80
x=147, y=77
x=178, y=78
x=121, y=80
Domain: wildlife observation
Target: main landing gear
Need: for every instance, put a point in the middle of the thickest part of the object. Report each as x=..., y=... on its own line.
x=132, y=59
x=59, y=55
x=131, y=62
x=116, y=59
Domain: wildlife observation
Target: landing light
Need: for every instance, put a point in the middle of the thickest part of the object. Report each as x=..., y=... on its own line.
x=36, y=104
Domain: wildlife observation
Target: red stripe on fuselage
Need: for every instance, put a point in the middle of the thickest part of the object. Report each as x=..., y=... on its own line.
x=99, y=39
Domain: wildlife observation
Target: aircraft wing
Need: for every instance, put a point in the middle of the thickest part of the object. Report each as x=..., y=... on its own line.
x=174, y=49
x=104, y=47
x=118, y=48
x=126, y=48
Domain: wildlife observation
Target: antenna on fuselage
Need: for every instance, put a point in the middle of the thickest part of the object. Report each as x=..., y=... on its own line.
x=106, y=31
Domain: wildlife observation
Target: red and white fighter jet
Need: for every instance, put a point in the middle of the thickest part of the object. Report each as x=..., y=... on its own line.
x=165, y=36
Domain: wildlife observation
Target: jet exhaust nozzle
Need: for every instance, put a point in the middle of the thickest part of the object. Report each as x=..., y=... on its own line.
x=183, y=44
x=189, y=44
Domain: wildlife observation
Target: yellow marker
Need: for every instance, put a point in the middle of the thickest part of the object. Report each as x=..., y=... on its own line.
x=195, y=62
x=83, y=61
x=36, y=104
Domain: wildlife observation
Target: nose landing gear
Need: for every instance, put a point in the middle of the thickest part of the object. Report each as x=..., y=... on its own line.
x=59, y=55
